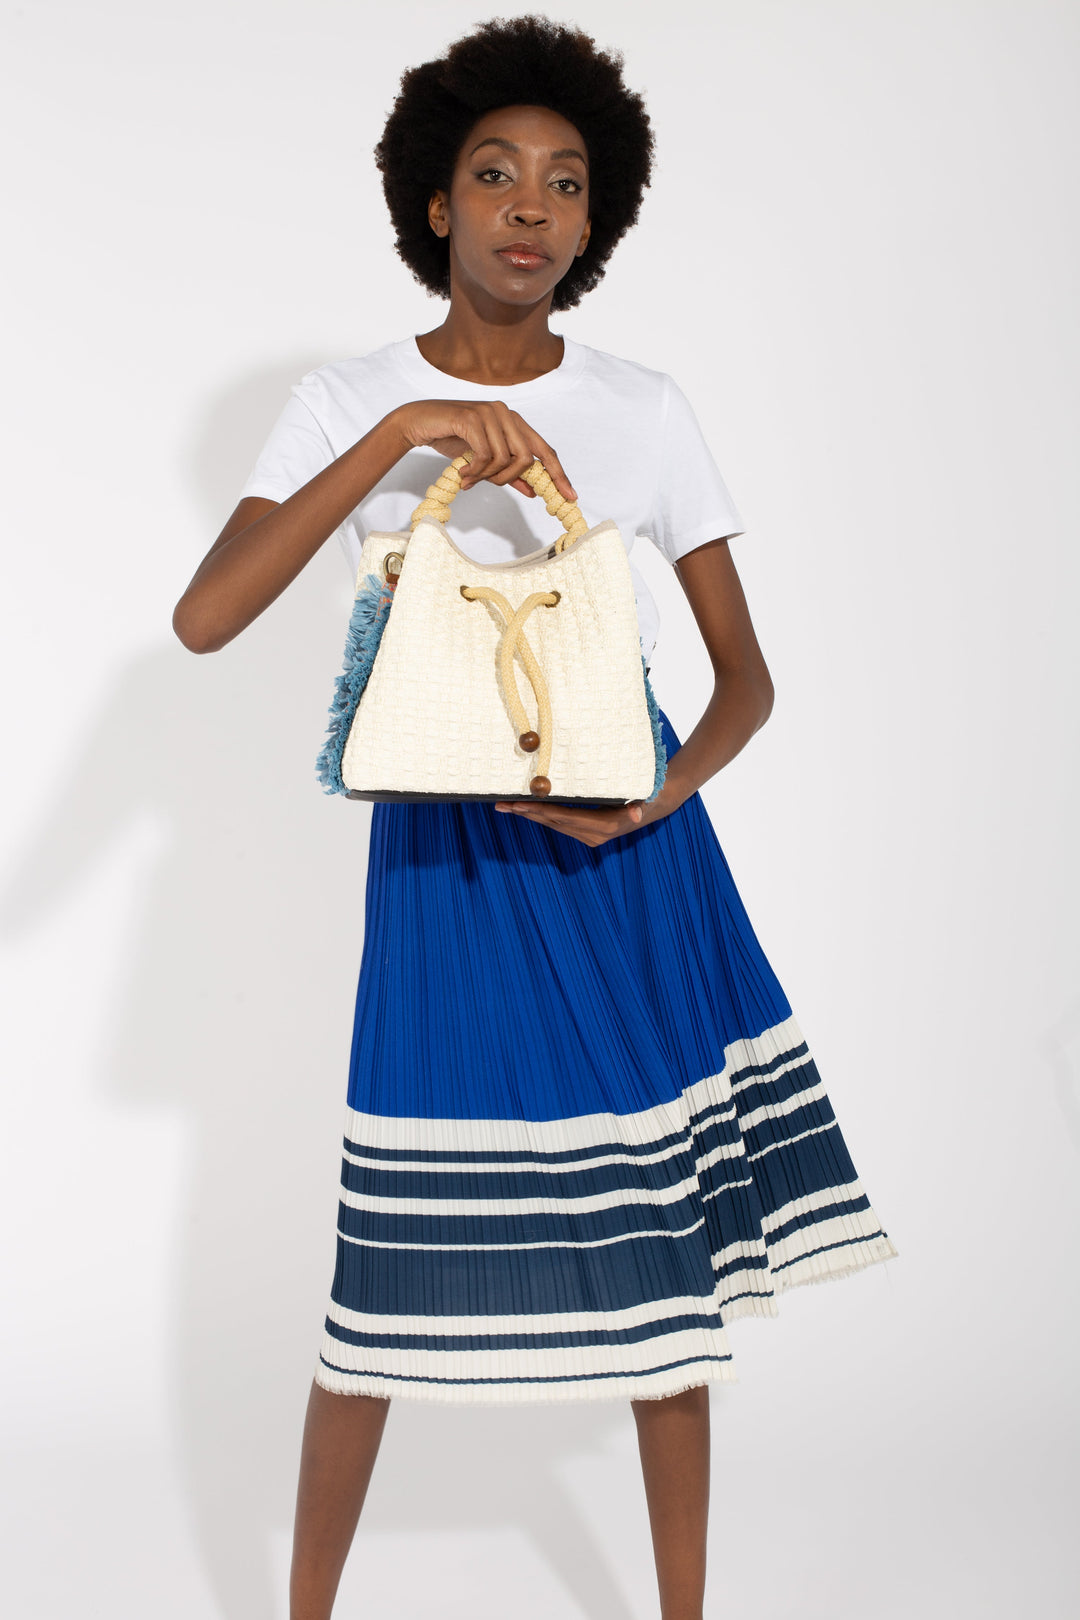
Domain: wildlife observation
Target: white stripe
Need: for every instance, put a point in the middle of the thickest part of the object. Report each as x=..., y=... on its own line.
x=472, y=1364
x=790, y=1066
x=833, y=1230
x=552, y=1322
x=636, y=1386
x=726, y=1150
x=521, y=1206
x=522, y=1166
x=728, y=1186
x=822, y=1199
x=777, y=1110
x=842, y=1250
x=470, y=1248
x=448, y=1135
x=785, y=1142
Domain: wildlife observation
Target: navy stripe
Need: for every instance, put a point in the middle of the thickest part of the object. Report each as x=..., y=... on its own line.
x=800, y=1223
x=749, y=1071
x=508, y=1186
x=828, y=1248
x=495, y=1157
x=506, y=1183
x=521, y=1226
x=560, y=1378
x=578, y=1338
x=644, y=1270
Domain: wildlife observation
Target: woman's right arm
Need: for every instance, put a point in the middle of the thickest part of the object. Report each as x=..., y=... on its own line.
x=265, y=544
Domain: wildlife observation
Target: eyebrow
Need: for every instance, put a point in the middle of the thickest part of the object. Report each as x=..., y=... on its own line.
x=509, y=146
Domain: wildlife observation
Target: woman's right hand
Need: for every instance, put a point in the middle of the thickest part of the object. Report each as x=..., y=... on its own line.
x=265, y=543
x=502, y=443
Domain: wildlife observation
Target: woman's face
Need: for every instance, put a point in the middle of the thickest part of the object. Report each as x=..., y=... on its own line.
x=517, y=212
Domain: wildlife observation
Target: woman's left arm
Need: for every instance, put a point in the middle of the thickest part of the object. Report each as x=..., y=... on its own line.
x=741, y=702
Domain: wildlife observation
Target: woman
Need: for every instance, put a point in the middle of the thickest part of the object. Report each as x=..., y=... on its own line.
x=583, y=1130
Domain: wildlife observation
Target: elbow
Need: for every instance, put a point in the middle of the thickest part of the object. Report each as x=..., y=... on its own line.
x=766, y=693
x=195, y=634
x=752, y=688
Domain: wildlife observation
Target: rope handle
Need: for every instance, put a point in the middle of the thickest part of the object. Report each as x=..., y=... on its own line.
x=436, y=503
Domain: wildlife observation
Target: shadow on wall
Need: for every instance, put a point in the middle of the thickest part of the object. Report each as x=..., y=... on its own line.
x=237, y=1014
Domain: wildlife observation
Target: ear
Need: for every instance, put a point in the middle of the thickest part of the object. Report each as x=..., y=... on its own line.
x=583, y=244
x=438, y=213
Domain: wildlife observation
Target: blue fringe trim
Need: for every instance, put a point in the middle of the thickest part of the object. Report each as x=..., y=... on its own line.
x=658, y=741
x=370, y=612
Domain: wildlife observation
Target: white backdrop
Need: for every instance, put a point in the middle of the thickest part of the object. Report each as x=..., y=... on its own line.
x=856, y=260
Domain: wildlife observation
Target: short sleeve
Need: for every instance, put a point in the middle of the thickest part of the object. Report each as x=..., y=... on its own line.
x=295, y=451
x=691, y=505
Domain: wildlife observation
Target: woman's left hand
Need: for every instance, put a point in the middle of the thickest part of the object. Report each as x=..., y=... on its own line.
x=592, y=827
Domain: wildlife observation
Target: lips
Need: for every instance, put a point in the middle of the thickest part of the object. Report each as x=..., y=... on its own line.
x=524, y=255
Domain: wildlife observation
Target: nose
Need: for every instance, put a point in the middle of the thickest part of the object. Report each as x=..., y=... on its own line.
x=527, y=211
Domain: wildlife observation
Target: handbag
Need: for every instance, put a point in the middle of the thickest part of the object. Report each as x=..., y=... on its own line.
x=429, y=706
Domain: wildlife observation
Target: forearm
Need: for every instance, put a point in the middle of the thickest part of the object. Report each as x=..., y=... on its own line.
x=243, y=574
x=738, y=707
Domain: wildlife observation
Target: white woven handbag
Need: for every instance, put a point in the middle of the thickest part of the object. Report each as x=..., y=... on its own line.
x=429, y=705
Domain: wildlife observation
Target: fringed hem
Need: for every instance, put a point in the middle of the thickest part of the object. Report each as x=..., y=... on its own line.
x=830, y=1265
x=371, y=609
x=631, y=1387
x=659, y=746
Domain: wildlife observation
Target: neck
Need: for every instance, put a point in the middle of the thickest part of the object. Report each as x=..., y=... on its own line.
x=482, y=341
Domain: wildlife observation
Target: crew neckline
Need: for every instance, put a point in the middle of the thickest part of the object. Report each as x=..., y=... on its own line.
x=569, y=368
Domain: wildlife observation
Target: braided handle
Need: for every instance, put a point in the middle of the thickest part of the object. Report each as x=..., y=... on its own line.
x=436, y=503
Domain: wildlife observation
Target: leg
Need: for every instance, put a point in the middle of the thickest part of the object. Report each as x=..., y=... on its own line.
x=673, y=1440
x=341, y=1442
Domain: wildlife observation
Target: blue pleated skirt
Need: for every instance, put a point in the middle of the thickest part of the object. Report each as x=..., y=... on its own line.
x=584, y=1131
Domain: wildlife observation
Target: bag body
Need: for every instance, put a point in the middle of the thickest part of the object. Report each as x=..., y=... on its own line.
x=518, y=680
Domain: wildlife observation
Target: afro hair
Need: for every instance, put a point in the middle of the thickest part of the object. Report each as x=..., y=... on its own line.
x=521, y=61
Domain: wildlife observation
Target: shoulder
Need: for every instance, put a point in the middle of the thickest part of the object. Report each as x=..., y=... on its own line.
x=628, y=378
x=339, y=384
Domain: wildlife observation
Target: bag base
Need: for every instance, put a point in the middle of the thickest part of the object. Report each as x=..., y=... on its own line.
x=389, y=797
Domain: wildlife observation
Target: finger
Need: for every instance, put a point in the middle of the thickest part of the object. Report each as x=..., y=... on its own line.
x=538, y=449
x=475, y=434
x=514, y=472
x=519, y=441
x=588, y=825
x=502, y=454
x=506, y=429
x=497, y=457
x=554, y=468
x=450, y=448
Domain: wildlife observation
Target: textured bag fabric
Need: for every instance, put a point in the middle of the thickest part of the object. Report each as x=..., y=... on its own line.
x=422, y=709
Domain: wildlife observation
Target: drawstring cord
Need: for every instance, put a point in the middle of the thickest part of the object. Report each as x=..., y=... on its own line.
x=513, y=640
x=436, y=504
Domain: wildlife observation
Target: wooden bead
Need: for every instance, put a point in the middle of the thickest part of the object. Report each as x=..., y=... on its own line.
x=529, y=741
x=540, y=785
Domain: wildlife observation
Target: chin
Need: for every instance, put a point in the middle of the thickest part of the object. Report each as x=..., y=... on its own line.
x=522, y=287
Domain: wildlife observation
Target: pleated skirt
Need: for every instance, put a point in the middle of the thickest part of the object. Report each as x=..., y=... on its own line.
x=584, y=1132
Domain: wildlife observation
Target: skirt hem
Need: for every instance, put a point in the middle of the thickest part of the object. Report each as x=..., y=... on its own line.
x=829, y=1266
x=514, y=1394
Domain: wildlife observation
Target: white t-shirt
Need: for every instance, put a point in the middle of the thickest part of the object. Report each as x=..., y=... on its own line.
x=626, y=436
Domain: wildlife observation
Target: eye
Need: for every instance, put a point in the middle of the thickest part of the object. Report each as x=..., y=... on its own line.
x=484, y=173
x=573, y=185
